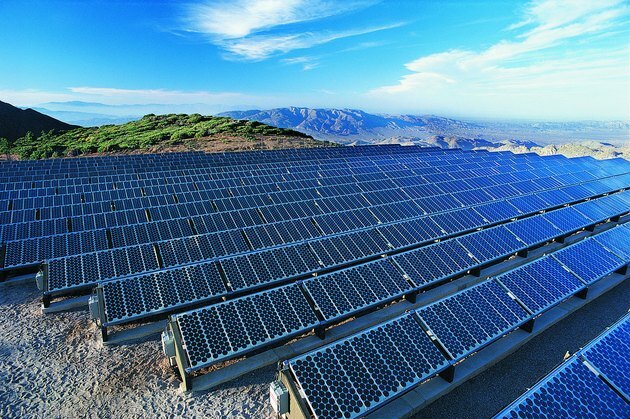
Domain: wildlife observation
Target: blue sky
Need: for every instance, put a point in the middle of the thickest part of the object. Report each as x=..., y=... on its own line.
x=547, y=59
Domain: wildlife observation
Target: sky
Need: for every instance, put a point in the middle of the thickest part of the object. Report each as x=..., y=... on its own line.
x=496, y=59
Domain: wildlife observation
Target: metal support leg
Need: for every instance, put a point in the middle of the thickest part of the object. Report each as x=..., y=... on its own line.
x=320, y=332
x=528, y=326
x=448, y=374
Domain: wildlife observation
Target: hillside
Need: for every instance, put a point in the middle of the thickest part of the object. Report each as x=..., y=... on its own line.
x=16, y=122
x=158, y=133
x=349, y=126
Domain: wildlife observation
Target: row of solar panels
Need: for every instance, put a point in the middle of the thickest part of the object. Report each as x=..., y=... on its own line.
x=420, y=161
x=334, y=296
x=208, y=160
x=26, y=252
x=450, y=169
x=355, y=375
x=60, y=226
x=132, y=298
x=83, y=164
x=31, y=209
x=213, y=159
x=360, y=190
x=594, y=382
x=88, y=183
x=67, y=273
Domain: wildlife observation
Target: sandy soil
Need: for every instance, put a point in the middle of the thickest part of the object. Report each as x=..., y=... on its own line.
x=53, y=366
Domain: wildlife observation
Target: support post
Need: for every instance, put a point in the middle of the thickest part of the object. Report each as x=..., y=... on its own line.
x=411, y=297
x=448, y=374
x=581, y=294
x=320, y=332
x=528, y=326
x=104, y=335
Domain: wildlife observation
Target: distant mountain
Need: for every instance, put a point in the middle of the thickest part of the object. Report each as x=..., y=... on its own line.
x=86, y=119
x=351, y=126
x=16, y=122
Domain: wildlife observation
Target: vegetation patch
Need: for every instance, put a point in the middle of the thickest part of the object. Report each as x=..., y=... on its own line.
x=156, y=133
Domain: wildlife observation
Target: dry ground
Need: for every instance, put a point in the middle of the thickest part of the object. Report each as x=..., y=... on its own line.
x=53, y=366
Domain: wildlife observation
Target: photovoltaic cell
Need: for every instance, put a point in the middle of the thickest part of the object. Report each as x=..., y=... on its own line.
x=609, y=355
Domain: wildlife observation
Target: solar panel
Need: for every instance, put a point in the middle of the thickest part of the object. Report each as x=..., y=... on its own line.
x=534, y=230
x=617, y=240
x=491, y=244
x=567, y=219
x=589, y=260
x=608, y=354
x=349, y=290
x=355, y=375
x=571, y=391
x=222, y=331
x=541, y=284
x=470, y=319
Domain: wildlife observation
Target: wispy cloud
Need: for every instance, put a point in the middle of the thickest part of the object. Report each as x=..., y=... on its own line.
x=258, y=29
x=552, y=54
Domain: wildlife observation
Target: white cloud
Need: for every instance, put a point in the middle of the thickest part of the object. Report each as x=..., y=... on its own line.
x=552, y=62
x=258, y=29
x=114, y=96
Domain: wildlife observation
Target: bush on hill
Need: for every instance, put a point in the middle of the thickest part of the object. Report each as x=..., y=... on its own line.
x=149, y=131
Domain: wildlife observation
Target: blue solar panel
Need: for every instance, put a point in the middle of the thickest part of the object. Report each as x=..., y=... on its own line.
x=221, y=331
x=490, y=244
x=541, y=284
x=571, y=391
x=472, y=318
x=589, y=260
x=567, y=219
x=534, y=230
x=617, y=240
x=608, y=354
x=352, y=377
x=497, y=211
x=346, y=291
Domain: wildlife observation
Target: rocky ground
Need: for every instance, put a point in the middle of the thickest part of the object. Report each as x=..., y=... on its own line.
x=54, y=366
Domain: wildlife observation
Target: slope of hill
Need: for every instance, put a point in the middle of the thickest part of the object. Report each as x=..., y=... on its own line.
x=16, y=122
x=153, y=133
x=348, y=126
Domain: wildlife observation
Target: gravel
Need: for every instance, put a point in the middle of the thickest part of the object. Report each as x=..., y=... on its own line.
x=54, y=366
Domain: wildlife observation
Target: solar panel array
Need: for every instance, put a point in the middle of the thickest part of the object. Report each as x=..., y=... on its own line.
x=248, y=250
x=241, y=237
x=444, y=332
x=420, y=268
x=594, y=382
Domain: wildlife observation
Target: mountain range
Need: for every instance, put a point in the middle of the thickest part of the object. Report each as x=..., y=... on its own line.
x=350, y=126
x=16, y=122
